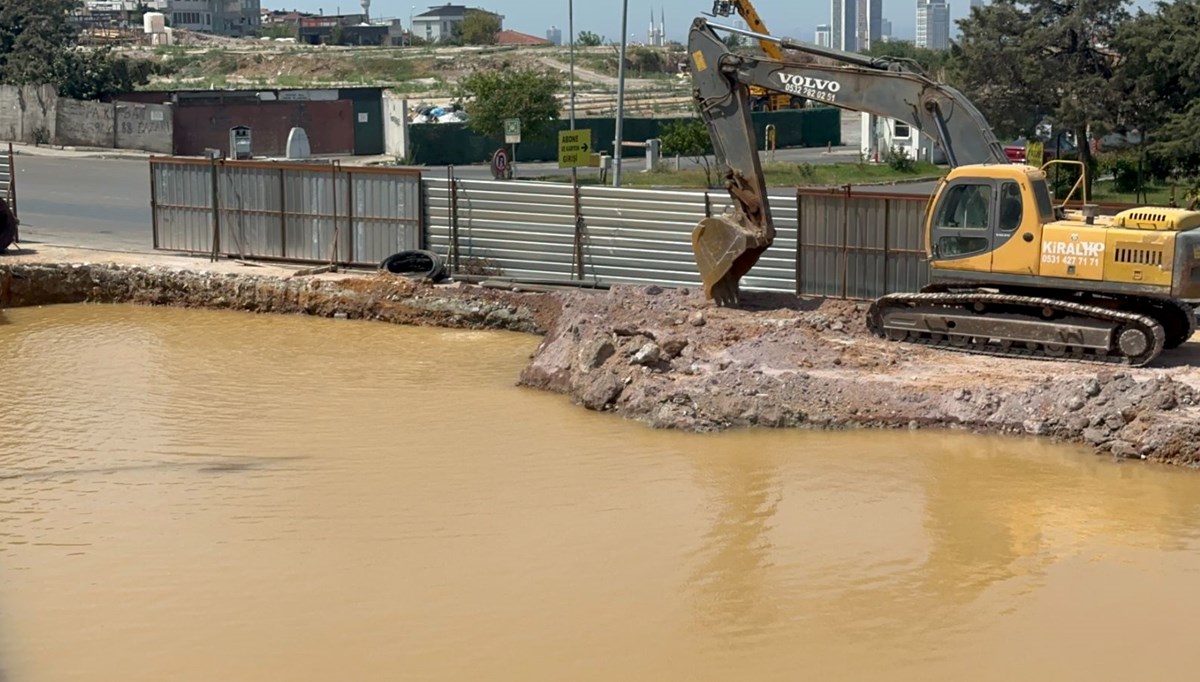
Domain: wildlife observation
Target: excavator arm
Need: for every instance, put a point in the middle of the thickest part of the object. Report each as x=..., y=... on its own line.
x=727, y=247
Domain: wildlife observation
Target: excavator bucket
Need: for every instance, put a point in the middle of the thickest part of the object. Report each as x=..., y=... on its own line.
x=725, y=250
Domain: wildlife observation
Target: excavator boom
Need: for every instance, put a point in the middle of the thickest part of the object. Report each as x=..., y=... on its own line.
x=727, y=247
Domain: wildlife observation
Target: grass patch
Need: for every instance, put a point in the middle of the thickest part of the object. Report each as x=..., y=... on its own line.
x=1155, y=195
x=776, y=174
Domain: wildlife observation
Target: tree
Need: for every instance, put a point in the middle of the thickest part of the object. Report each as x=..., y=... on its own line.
x=589, y=39
x=734, y=41
x=480, y=27
x=689, y=137
x=493, y=95
x=337, y=35
x=1024, y=60
x=38, y=47
x=1160, y=57
x=932, y=62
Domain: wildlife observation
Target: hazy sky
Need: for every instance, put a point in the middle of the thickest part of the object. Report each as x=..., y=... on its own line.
x=790, y=18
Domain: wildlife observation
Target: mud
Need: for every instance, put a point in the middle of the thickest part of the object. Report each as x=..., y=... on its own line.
x=671, y=359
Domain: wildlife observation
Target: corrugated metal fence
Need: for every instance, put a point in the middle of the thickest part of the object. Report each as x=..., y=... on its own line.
x=289, y=211
x=529, y=230
x=860, y=245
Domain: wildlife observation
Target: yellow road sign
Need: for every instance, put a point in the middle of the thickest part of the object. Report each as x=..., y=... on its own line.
x=574, y=148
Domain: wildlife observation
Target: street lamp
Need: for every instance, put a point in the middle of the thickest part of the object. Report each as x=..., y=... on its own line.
x=620, y=94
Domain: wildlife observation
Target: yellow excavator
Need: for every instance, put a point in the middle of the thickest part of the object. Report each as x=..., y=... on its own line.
x=1011, y=273
x=773, y=100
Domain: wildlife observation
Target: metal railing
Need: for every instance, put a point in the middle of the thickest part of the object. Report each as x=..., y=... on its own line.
x=303, y=212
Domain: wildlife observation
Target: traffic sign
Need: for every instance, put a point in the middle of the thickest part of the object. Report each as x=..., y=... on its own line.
x=574, y=148
x=500, y=167
x=512, y=131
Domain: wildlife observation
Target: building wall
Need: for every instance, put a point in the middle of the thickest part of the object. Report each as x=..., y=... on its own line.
x=869, y=15
x=933, y=24
x=86, y=124
x=395, y=126
x=28, y=113
x=149, y=127
x=223, y=17
x=843, y=24
x=329, y=124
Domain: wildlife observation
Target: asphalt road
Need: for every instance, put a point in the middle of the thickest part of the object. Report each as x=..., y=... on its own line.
x=105, y=203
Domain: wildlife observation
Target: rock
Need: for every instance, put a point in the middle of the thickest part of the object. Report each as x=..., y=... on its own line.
x=697, y=319
x=1036, y=427
x=598, y=394
x=1077, y=423
x=1075, y=403
x=1095, y=436
x=1124, y=450
x=1091, y=388
x=837, y=327
x=673, y=346
x=653, y=290
x=595, y=353
x=648, y=354
x=1114, y=421
x=340, y=316
x=962, y=394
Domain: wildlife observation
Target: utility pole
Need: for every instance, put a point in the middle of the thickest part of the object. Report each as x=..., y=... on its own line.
x=621, y=94
x=571, y=36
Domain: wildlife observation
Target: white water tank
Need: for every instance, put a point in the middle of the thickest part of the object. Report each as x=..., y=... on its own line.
x=154, y=22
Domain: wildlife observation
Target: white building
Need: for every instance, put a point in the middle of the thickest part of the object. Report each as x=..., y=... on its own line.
x=440, y=23
x=823, y=37
x=223, y=17
x=933, y=24
x=843, y=24
x=881, y=134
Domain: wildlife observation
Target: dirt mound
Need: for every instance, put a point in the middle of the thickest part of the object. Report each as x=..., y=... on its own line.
x=672, y=360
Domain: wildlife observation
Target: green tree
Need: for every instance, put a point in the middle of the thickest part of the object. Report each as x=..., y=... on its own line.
x=589, y=39
x=337, y=36
x=480, y=27
x=932, y=62
x=733, y=41
x=1024, y=60
x=1160, y=59
x=689, y=137
x=38, y=46
x=492, y=95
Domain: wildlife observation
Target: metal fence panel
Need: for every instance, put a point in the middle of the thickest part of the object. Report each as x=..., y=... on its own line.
x=293, y=211
x=860, y=245
x=251, y=223
x=181, y=194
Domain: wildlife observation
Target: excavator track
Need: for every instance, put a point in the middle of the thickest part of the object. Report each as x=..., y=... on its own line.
x=1005, y=325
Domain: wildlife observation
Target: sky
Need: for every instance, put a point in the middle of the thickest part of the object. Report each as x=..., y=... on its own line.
x=789, y=18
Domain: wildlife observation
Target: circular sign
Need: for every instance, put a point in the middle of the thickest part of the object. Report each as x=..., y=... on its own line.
x=500, y=164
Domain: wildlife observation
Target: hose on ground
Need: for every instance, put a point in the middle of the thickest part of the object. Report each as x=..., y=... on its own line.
x=416, y=264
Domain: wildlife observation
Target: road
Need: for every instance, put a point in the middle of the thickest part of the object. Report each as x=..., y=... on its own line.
x=105, y=203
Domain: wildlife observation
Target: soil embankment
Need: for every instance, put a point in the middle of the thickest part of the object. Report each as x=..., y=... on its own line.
x=673, y=360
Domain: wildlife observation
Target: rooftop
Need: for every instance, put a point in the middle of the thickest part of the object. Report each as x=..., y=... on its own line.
x=445, y=11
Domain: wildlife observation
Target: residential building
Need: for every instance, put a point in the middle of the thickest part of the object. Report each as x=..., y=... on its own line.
x=511, y=37
x=822, y=37
x=223, y=17
x=869, y=15
x=843, y=24
x=554, y=35
x=933, y=24
x=440, y=23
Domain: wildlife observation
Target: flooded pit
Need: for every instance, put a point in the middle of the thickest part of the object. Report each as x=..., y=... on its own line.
x=193, y=495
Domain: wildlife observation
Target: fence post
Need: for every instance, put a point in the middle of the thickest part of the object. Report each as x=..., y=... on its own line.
x=282, y=214
x=350, y=242
x=452, y=186
x=577, y=252
x=799, y=242
x=153, y=208
x=887, y=254
x=846, y=241
x=216, y=208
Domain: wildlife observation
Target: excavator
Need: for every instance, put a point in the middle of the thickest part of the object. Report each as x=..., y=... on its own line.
x=773, y=100
x=1011, y=273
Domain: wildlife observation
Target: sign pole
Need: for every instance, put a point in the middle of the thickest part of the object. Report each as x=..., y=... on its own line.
x=620, y=94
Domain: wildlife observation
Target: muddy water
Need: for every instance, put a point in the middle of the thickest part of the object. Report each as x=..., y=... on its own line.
x=215, y=496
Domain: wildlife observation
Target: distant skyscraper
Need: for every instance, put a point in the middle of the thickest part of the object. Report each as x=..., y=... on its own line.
x=554, y=35
x=933, y=24
x=843, y=24
x=822, y=37
x=885, y=29
x=869, y=15
x=977, y=3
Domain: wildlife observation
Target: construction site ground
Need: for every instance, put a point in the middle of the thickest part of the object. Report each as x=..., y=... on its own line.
x=671, y=359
